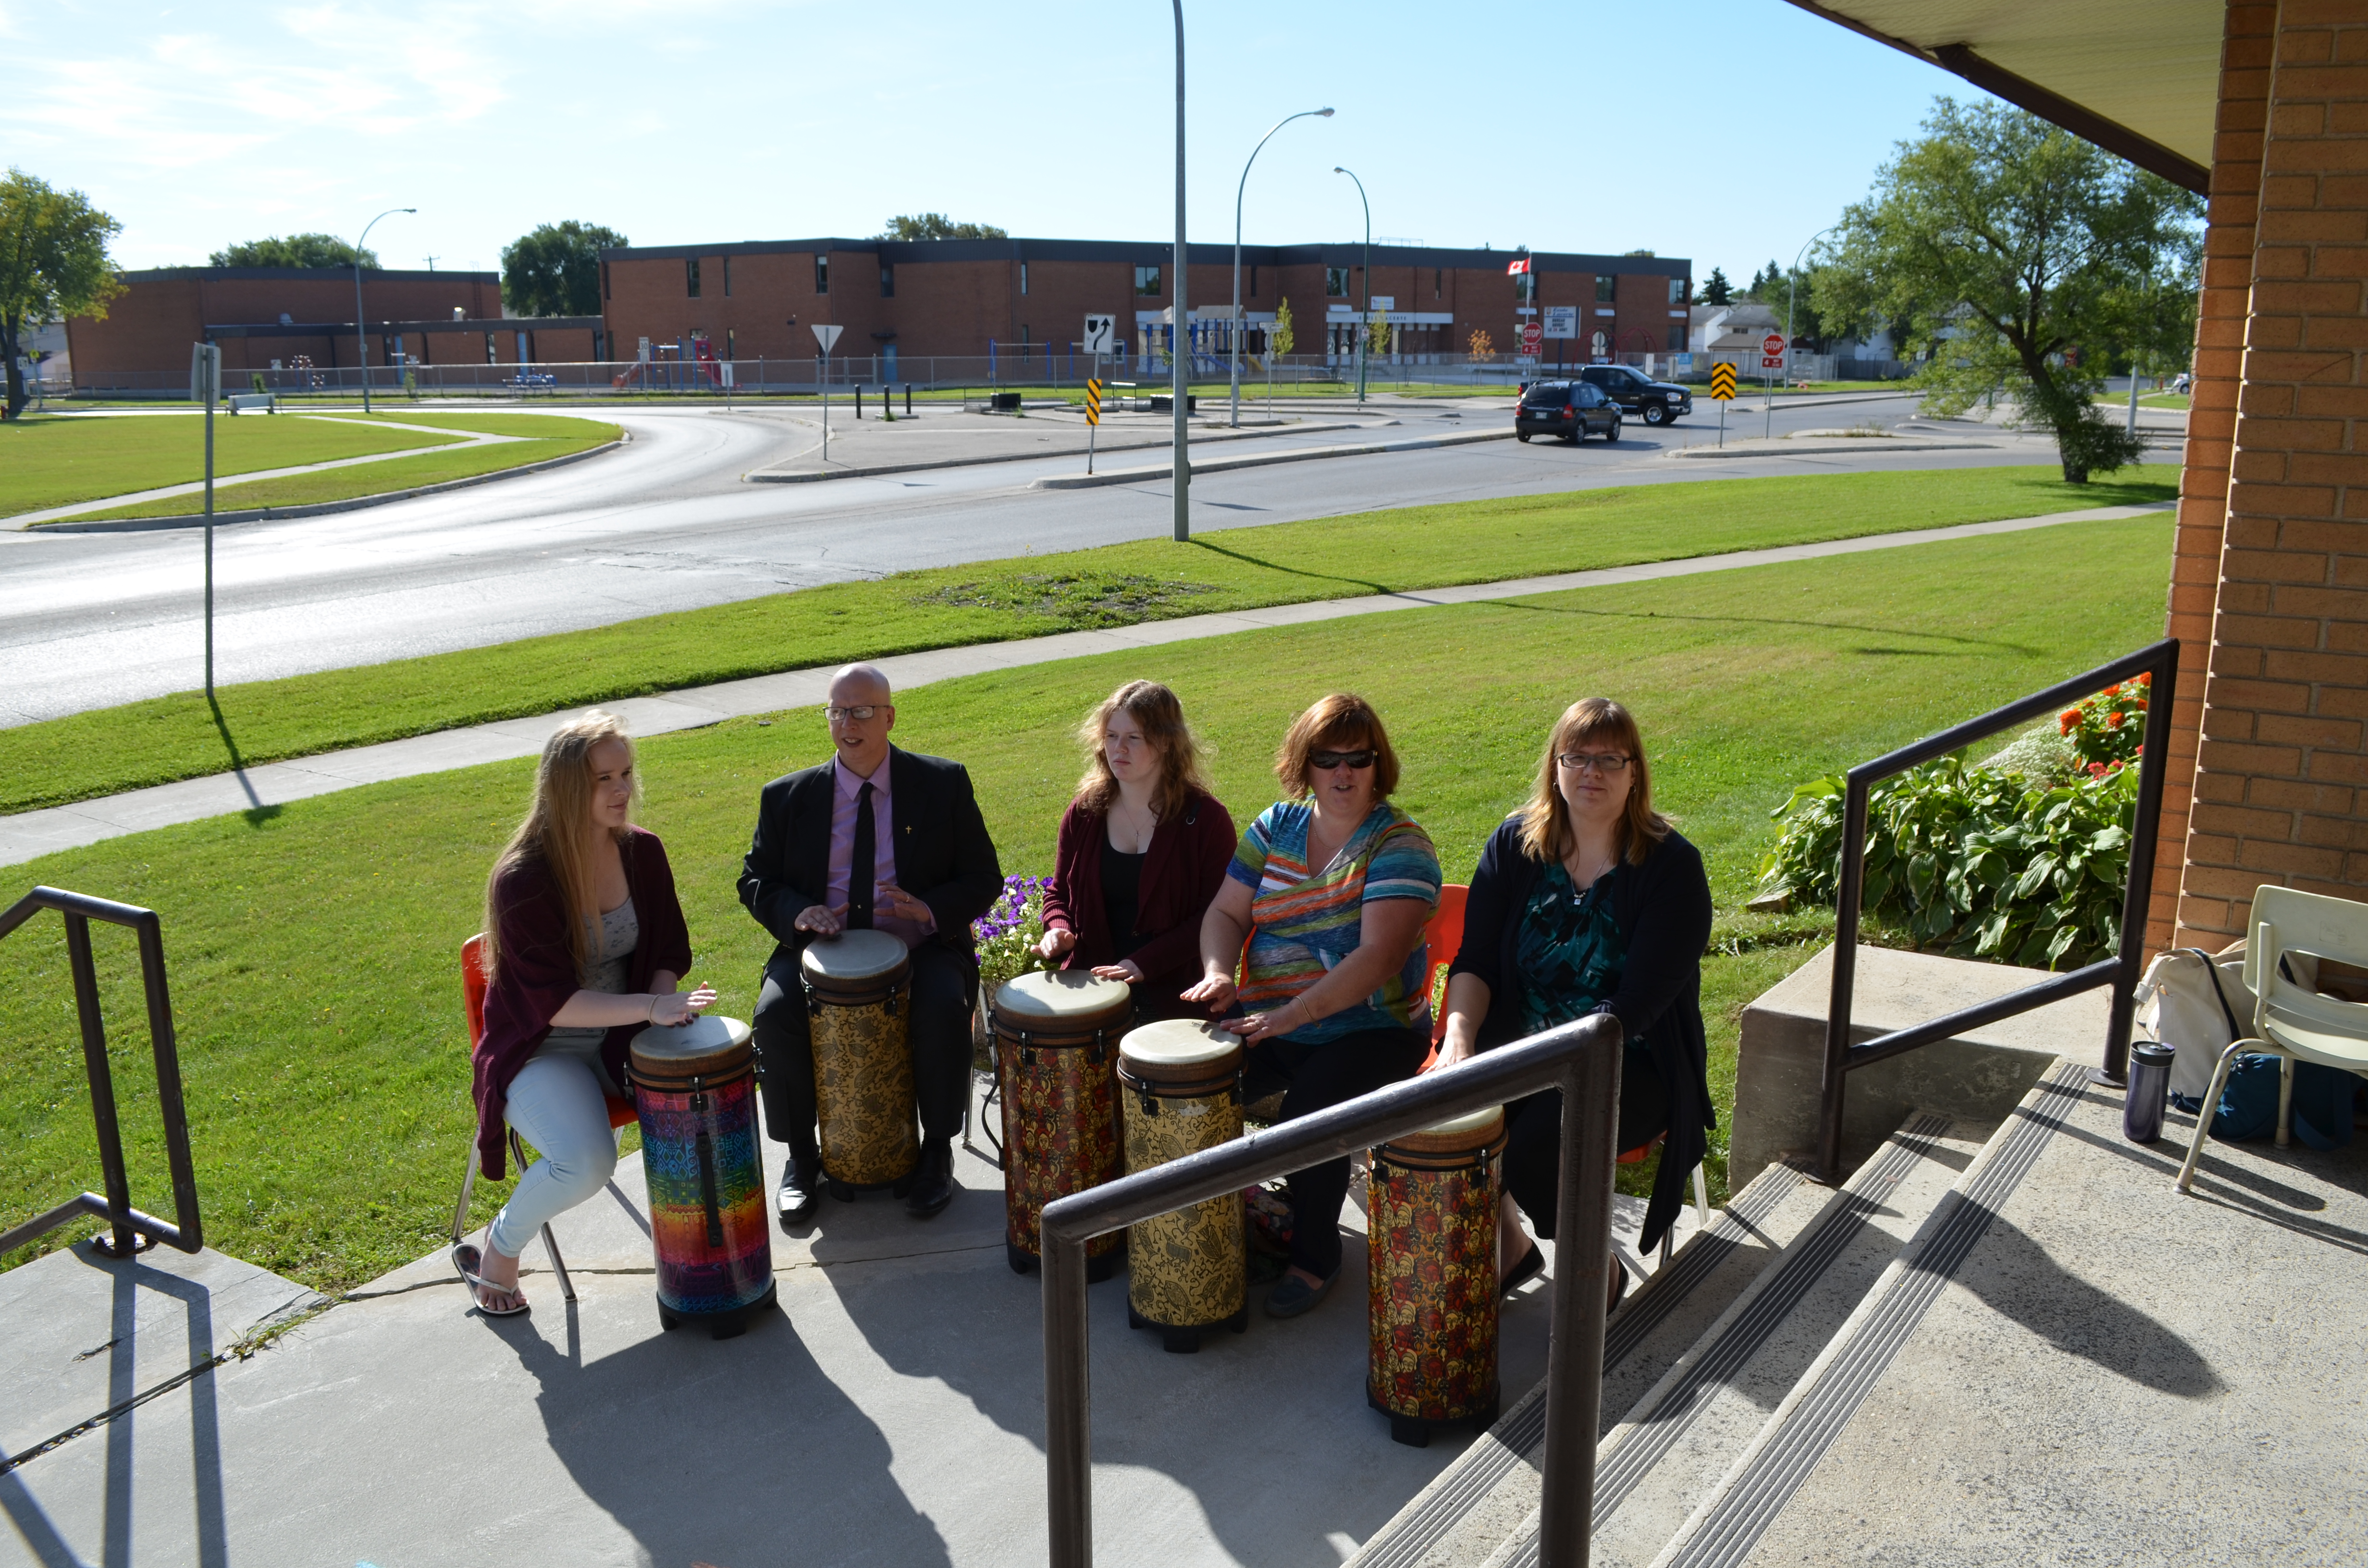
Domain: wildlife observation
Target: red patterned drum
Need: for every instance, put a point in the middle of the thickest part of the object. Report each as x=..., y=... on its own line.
x=1056, y=1038
x=1432, y=1240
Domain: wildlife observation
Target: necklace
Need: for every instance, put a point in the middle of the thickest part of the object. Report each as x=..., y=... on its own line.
x=1142, y=834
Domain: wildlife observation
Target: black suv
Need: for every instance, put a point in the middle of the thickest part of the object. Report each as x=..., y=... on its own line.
x=1660, y=403
x=1572, y=409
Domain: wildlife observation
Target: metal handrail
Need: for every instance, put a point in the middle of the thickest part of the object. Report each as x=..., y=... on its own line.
x=1581, y=1057
x=132, y=1230
x=2160, y=661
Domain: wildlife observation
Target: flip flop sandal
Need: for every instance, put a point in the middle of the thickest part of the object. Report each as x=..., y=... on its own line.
x=466, y=1261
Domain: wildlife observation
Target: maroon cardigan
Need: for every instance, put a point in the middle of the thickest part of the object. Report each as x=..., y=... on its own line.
x=536, y=974
x=1181, y=872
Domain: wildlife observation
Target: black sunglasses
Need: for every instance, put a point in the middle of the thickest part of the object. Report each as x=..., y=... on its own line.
x=1326, y=760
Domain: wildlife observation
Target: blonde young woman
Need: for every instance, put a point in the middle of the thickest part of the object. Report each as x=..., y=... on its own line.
x=586, y=947
x=1587, y=901
x=1143, y=850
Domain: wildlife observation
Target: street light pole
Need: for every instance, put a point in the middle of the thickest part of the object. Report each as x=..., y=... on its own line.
x=362, y=343
x=1365, y=325
x=1791, y=294
x=1235, y=419
x=1179, y=355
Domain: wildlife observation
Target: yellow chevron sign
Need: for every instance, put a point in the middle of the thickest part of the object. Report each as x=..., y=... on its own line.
x=1094, y=402
x=1722, y=382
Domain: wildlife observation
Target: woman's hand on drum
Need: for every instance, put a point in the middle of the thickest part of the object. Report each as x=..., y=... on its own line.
x=1123, y=969
x=1215, y=993
x=678, y=1007
x=1272, y=1024
x=1455, y=1048
x=1057, y=943
x=820, y=919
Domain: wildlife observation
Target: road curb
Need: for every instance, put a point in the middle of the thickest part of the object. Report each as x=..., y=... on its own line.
x=1263, y=459
x=1758, y=447
x=283, y=514
x=761, y=476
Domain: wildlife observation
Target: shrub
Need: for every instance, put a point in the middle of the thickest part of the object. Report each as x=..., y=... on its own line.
x=1973, y=862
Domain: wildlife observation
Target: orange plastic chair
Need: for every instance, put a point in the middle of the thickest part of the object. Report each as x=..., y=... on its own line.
x=620, y=1111
x=1444, y=933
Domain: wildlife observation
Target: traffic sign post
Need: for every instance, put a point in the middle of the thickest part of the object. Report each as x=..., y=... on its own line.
x=1721, y=388
x=205, y=382
x=825, y=335
x=1099, y=332
x=1533, y=338
x=1771, y=360
x=1093, y=416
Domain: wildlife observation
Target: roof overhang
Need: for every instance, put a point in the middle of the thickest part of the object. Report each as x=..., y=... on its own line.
x=2140, y=78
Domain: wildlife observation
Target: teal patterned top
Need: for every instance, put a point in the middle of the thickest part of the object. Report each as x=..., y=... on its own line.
x=1569, y=950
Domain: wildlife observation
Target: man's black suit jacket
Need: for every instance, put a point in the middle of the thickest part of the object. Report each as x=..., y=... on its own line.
x=943, y=855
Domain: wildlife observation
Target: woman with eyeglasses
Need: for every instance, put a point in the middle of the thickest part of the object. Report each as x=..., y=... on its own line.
x=1330, y=889
x=1587, y=901
x=1143, y=848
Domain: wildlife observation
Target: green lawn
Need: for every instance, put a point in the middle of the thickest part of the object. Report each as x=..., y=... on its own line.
x=182, y=736
x=55, y=460
x=550, y=438
x=313, y=948
x=2163, y=400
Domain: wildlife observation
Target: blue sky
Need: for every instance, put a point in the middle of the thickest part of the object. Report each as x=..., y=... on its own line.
x=1726, y=131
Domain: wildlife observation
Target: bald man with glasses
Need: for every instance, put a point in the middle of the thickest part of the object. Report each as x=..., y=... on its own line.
x=892, y=840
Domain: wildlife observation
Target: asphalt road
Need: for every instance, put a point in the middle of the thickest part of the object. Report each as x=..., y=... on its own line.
x=666, y=523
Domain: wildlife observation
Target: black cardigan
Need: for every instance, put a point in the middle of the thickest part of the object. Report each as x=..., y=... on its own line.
x=1663, y=910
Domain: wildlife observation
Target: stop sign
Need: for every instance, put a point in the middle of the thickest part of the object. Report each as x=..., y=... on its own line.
x=1772, y=344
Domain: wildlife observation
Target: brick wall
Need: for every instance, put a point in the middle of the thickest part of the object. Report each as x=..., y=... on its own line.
x=2283, y=760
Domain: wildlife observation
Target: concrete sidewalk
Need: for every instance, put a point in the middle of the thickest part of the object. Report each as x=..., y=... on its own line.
x=940, y=435
x=29, y=835
x=890, y=1413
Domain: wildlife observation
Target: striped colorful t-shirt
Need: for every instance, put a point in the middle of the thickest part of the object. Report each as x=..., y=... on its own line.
x=1302, y=923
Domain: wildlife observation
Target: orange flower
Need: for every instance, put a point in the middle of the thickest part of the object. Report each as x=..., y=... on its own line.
x=2070, y=717
x=2114, y=720
x=2147, y=679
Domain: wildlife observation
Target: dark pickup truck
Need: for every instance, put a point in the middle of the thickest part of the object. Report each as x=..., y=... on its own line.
x=1657, y=403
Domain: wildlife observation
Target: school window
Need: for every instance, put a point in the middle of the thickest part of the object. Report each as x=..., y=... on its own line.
x=1336, y=282
x=1253, y=280
x=1146, y=281
x=1023, y=277
x=1677, y=291
x=731, y=339
x=727, y=277
x=1603, y=290
x=690, y=276
x=887, y=281
x=1677, y=340
x=822, y=275
x=492, y=350
x=604, y=282
x=1438, y=277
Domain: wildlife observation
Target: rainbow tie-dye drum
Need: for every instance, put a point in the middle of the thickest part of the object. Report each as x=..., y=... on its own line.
x=1056, y=1038
x=695, y=1090
x=1431, y=1217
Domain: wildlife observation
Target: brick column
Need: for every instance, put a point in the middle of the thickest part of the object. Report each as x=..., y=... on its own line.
x=2283, y=760
x=2246, y=54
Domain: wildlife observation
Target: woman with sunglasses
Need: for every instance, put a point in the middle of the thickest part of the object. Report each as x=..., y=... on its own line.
x=1330, y=889
x=1587, y=901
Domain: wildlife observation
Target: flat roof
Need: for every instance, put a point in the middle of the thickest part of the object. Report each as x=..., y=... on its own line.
x=1153, y=253
x=301, y=274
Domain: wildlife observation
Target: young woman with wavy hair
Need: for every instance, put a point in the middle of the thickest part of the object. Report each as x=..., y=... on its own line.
x=585, y=948
x=1143, y=850
x=1587, y=901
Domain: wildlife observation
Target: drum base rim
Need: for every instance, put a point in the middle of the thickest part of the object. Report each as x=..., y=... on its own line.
x=1184, y=1339
x=729, y=1324
x=1414, y=1431
x=845, y=1192
x=1099, y=1266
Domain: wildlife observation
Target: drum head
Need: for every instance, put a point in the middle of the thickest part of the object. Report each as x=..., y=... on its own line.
x=853, y=958
x=1179, y=1049
x=708, y=1045
x=1460, y=1134
x=1068, y=995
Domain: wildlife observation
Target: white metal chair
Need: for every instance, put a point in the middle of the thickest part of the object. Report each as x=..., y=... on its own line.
x=2293, y=1020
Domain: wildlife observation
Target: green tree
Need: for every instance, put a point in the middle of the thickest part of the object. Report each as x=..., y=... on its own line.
x=2017, y=256
x=555, y=270
x=1715, y=289
x=936, y=226
x=1279, y=341
x=1379, y=335
x=53, y=263
x=293, y=250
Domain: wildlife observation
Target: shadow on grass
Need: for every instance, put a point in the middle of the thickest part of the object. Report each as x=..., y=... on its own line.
x=256, y=812
x=1292, y=571
x=1969, y=645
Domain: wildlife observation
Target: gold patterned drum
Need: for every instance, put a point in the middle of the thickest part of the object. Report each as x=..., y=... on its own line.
x=1056, y=1039
x=1180, y=1083
x=858, y=1006
x=1432, y=1240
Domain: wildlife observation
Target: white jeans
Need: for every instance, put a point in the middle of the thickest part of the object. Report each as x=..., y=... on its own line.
x=558, y=1104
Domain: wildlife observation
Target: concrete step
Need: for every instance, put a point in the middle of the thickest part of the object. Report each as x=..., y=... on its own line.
x=1694, y=1363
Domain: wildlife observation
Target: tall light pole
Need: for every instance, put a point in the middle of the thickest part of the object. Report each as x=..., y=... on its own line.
x=1180, y=356
x=1235, y=418
x=1365, y=324
x=1793, y=293
x=362, y=343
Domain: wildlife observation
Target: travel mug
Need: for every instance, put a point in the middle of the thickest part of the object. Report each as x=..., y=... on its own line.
x=2149, y=1088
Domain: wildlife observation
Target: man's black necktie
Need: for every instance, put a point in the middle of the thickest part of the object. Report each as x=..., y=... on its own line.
x=860, y=862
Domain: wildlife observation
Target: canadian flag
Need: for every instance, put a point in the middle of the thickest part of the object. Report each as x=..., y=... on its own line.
x=1521, y=265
